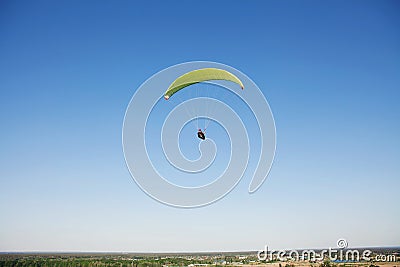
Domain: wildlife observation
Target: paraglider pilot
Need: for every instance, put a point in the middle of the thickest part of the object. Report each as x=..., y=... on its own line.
x=201, y=135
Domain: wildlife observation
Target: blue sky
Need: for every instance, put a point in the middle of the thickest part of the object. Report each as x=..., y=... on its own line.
x=329, y=70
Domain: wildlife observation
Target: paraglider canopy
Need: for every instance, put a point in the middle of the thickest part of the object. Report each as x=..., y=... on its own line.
x=200, y=75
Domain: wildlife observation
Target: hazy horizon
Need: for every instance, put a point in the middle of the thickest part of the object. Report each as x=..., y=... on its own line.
x=329, y=71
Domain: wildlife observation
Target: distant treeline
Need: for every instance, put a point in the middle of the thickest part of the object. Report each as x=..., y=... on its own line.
x=74, y=263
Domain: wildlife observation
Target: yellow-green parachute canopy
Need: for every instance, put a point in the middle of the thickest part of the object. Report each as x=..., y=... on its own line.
x=200, y=75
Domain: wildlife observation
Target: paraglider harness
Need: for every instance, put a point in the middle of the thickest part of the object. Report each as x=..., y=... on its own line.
x=201, y=135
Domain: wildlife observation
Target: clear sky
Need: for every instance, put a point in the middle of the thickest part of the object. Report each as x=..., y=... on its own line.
x=330, y=71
